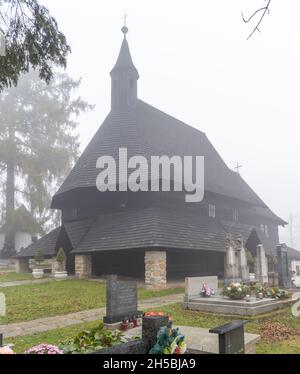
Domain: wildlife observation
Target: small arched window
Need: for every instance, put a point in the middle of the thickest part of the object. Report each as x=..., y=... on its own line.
x=212, y=211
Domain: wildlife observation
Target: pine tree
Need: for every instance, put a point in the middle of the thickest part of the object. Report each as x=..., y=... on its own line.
x=37, y=143
x=32, y=39
x=39, y=257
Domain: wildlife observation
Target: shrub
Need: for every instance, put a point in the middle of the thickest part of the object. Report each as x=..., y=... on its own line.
x=39, y=257
x=91, y=341
x=61, y=256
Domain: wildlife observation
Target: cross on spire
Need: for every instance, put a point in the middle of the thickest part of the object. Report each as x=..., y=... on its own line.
x=125, y=18
x=238, y=167
x=125, y=28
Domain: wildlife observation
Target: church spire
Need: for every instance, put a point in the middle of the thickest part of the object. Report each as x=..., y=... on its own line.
x=124, y=77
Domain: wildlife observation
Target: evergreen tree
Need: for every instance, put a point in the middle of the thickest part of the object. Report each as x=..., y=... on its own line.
x=37, y=143
x=32, y=39
x=39, y=257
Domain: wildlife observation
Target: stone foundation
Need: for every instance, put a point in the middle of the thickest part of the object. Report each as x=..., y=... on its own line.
x=83, y=266
x=226, y=306
x=22, y=265
x=156, y=270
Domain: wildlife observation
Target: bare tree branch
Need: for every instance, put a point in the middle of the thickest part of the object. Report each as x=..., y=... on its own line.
x=263, y=12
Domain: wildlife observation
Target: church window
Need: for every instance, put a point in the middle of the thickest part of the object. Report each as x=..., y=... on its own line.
x=235, y=215
x=267, y=231
x=212, y=211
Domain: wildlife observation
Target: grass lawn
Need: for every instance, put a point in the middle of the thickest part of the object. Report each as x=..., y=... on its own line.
x=23, y=343
x=290, y=345
x=185, y=318
x=11, y=277
x=34, y=301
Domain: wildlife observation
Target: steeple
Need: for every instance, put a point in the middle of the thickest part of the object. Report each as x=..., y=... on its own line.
x=124, y=77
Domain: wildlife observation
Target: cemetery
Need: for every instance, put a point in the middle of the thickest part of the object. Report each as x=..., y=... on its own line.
x=241, y=296
x=137, y=237
x=124, y=327
x=57, y=313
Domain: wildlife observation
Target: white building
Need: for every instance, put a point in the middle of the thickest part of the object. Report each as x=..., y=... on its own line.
x=26, y=228
x=296, y=272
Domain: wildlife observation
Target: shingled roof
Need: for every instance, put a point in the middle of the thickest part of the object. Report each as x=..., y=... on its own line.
x=238, y=229
x=77, y=229
x=153, y=228
x=47, y=244
x=293, y=254
x=145, y=130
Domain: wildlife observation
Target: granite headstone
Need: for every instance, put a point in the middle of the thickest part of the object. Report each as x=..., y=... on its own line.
x=121, y=300
x=231, y=337
x=283, y=266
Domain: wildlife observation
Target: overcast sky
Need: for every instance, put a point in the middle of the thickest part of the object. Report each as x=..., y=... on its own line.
x=195, y=63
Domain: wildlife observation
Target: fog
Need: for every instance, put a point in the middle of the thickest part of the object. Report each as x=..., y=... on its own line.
x=195, y=63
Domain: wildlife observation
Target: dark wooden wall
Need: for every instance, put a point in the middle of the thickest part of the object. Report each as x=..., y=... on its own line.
x=129, y=263
x=180, y=263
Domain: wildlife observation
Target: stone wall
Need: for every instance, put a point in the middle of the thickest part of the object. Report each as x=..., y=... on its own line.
x=83, y=266
x=156, y=269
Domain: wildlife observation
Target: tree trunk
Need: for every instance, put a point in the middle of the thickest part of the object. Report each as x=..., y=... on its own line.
x=9, y=244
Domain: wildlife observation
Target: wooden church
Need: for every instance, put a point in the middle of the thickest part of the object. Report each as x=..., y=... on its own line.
x=155, y=236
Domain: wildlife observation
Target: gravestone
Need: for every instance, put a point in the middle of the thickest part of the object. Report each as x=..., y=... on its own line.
x=231, y=337
x=243, y=263
x=236, y=267
x=261, y=265
x=150, y=328
x=231, y=262
x=121, y=300
x=283, y=266
x=2, y=305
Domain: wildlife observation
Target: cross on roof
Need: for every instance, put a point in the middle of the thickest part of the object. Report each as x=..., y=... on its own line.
x=238, y=167
x=125, y=19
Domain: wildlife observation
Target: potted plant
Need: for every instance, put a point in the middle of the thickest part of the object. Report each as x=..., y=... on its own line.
x=61, y=260
x=38, y=271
